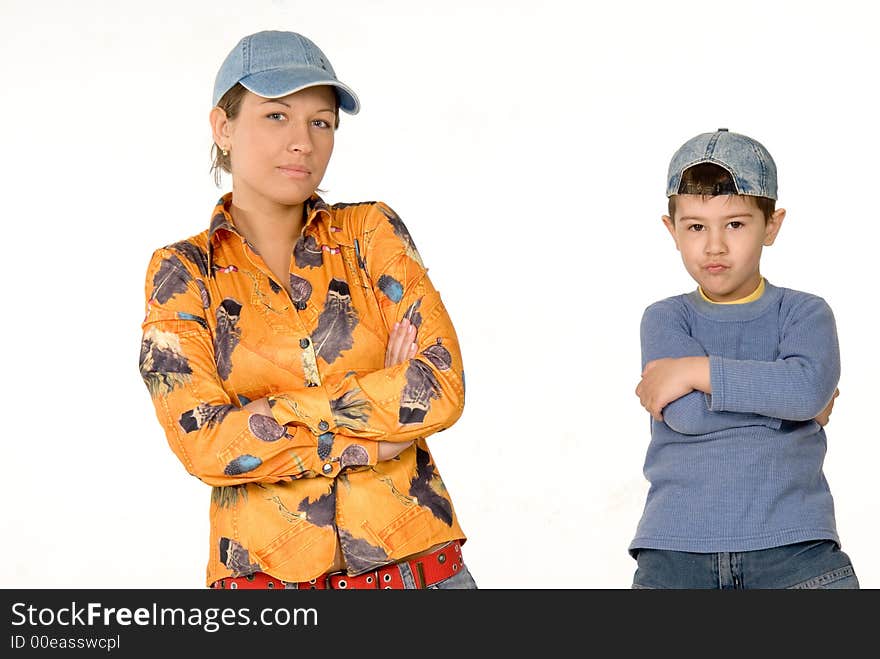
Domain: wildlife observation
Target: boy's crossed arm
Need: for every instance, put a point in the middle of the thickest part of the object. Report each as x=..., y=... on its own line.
x=676, y=384
x=667, y=379
x=674, y=393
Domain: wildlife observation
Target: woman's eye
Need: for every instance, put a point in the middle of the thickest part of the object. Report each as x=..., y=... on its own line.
x=320, y=123
x=275, y=116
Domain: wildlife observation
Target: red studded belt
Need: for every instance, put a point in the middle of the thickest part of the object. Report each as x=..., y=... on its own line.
x=425, y=571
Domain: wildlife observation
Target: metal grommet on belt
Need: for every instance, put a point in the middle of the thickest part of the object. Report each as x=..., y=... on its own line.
x=426, y=570
x=327, y=468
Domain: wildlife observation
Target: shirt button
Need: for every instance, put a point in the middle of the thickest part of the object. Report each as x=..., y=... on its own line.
x=327, y=468
x=303, y=343
x=313, y=384
x=323, y=425
x=300, y=305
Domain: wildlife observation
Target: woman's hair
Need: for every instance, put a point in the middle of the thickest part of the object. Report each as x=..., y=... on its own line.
x=230, y=103
x=708, y=180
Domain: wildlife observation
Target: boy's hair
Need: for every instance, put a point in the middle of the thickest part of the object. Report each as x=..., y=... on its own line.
x=709, y=180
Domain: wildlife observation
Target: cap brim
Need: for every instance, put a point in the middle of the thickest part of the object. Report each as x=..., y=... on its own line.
x=281, y=82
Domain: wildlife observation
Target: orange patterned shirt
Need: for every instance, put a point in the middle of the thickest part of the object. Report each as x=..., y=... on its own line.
x=219, y=332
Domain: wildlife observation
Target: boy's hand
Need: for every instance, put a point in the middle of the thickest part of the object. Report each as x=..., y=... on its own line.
x=668, y=379
x=825, y=415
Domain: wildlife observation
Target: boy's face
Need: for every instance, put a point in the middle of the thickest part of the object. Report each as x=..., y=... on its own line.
x=720, y=239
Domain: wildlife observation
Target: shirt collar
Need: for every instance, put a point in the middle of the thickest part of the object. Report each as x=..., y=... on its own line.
x=751, y=297
x=222, y=219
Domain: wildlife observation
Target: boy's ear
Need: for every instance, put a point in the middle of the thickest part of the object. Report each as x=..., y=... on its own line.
x=670, y=226
x=772, y=226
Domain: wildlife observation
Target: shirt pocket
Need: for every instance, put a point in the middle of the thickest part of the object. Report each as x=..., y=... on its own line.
x=278, y=531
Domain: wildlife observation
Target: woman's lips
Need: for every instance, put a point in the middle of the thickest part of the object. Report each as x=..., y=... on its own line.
x=294, y=171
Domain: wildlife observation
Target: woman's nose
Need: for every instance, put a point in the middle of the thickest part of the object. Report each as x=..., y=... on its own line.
x=299, y=139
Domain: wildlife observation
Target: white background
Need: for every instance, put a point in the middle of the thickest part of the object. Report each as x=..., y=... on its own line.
x=525, y=145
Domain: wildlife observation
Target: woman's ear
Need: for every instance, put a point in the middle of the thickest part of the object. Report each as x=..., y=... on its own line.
x=220, y=127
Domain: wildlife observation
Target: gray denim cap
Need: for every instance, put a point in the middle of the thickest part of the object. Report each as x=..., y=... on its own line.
x=272, y=63
x=750, y=164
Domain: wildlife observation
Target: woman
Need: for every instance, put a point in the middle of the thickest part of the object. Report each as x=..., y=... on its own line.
x=298, y=355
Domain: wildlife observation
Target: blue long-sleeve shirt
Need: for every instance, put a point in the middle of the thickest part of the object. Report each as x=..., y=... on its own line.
x=741, y=469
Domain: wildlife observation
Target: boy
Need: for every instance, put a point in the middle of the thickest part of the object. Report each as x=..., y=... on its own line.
x=739, y=377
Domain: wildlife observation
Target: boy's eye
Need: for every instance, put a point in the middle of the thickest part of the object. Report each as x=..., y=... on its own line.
x=695, y=227
x=735, y=224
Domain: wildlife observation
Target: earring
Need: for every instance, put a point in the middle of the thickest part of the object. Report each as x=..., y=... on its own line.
x=224, y=152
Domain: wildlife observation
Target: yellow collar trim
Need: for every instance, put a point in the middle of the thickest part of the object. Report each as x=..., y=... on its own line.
x=758, y=292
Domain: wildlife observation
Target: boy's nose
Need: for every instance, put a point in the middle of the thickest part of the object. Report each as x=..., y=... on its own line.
x=715, y=243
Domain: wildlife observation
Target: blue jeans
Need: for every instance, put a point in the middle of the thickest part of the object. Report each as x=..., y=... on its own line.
x=811, y=564
x=461, y=581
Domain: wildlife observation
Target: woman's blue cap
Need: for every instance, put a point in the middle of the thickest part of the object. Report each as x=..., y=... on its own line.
x=273, y=63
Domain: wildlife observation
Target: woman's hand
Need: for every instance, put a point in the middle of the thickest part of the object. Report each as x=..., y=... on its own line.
x=401, y=348
x=259, y=406
x=401, y=343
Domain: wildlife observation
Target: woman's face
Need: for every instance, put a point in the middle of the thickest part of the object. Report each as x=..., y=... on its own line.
x=279, y=148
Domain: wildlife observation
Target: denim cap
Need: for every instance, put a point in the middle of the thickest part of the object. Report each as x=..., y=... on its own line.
x=272, y=64
x=750, y=164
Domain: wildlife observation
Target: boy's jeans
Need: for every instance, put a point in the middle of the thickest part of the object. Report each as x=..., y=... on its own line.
x=811, y=564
